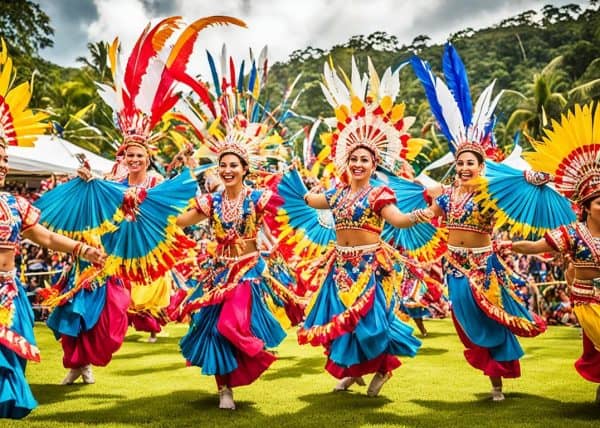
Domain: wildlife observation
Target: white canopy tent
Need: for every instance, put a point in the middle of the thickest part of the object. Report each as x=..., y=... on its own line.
x=52, y=154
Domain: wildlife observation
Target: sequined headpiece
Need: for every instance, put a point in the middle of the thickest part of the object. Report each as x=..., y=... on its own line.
x=367, y=116
x=466, y=128
x=19, y=126
x=570, y=151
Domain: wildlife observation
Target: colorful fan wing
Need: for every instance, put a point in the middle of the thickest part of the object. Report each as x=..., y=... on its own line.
x=80, y=209
x=528, y=210
x=423, y=241
x=304, y=230
x=148, y=244
x=82, y=275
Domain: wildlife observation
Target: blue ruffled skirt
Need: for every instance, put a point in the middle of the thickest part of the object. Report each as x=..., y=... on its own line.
x=16, y=398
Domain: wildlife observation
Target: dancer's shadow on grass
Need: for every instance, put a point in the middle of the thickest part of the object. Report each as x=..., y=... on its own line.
x=433, y=335
x=515, y=408
x=193, y=408
x=301, y=367
x=170, y=367
x=142, y=339
x=54, y=393
x=426, y=350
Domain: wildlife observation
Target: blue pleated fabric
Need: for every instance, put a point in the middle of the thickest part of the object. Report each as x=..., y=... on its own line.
x=82, y=312
x=204, y=346
x=16, y=398
x=482, y=330
x=379, y=333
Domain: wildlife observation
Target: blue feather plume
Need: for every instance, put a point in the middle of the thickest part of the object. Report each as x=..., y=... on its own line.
x=458, y=82
x=424, y=74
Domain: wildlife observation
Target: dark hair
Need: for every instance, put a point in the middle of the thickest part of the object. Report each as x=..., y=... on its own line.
x=477, y=155
x=585, y=206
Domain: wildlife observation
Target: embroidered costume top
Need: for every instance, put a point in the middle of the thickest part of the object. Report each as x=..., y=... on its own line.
x=234, y=223
x=16, y=215
x=150, y=181
x=584, y=250
x=462, y=212
x=361, y=210
x=577, y=241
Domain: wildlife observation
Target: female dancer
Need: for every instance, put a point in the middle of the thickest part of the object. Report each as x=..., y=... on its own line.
x=233, y=325
x=19, y=219
x=352, y=313
x=570, y=153
x=486, y=312
x=92, y=322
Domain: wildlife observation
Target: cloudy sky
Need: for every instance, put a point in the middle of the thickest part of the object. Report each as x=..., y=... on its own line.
x=283, y=25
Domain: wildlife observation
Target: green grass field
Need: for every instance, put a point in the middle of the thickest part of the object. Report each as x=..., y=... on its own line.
x=149, y=385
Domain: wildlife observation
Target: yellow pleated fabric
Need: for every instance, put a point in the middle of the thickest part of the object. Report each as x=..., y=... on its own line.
x=153, y=296
x=589, y=319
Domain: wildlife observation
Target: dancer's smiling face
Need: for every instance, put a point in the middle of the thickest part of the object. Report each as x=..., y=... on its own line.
x=232, y=169
x=361, y=164
x=468, y=167
x=136, y=159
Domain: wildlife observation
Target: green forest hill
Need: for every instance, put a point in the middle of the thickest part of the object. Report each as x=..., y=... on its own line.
x=546, y=60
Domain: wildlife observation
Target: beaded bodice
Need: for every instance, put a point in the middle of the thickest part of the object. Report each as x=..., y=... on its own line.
x=361, y=209
x=577, y=241
x=150, y=181
x=461, y=212
x=234, y=220
x=16, y=214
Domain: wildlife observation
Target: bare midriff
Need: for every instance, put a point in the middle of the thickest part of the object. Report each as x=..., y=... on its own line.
x=586, y=273
x=7, y=259
x=355, y=237
x=468, y=239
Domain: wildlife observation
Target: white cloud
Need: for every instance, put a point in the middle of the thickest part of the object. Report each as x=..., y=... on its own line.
x=123, y=18
x=284, y=25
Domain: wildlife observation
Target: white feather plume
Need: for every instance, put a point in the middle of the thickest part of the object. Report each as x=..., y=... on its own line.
x=451, y=112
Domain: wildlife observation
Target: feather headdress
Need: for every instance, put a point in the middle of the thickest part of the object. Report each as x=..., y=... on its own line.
x=466, y=128
x=367, y=116
x=231, y=119
x=144, y=91
x=570, y=151
x=19, y=126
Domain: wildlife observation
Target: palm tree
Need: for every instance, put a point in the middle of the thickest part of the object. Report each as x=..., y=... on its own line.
x=590, y=89
x=97, y=66
x=544, y=100
x=549, y=95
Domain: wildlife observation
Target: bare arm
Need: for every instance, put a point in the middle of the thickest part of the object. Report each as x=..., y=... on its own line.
x=316, y=200
x=44, y=237
x=393, y=216
x=531, y=247
x=190, y=217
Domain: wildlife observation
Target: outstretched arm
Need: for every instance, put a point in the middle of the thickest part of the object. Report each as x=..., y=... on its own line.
x=190, y=217
x=393, y=216
x=316, y=200
x=44, y=237
x=531, y=247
